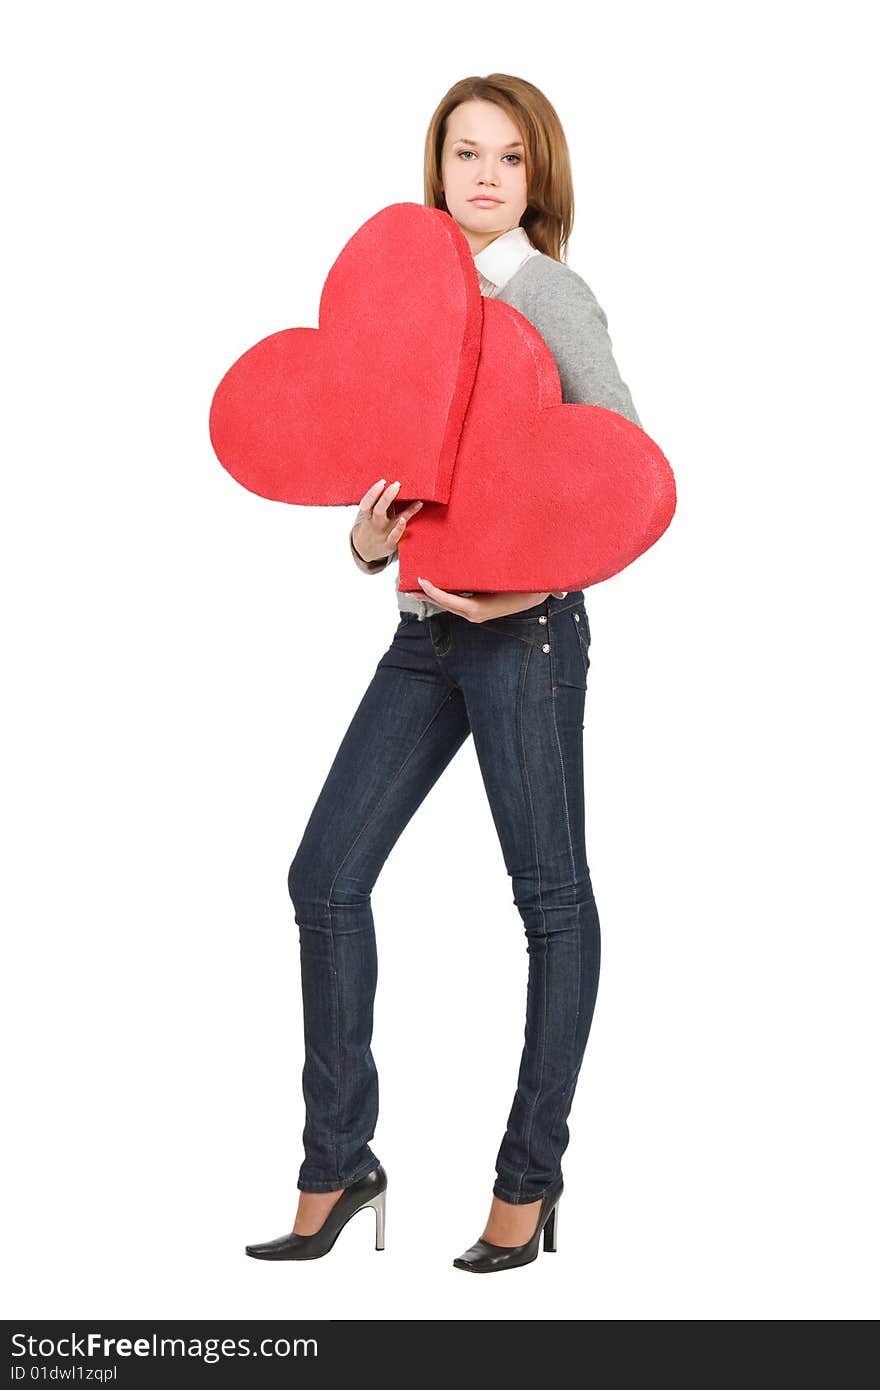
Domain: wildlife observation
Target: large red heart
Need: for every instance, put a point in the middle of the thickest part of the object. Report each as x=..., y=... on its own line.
x=544, y=495
x=379, y=389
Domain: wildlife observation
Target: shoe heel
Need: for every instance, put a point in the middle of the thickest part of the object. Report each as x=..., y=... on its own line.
x=379, y=1203
x=550, y=1229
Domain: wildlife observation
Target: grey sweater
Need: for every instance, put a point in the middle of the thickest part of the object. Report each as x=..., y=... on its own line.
x=566, y=313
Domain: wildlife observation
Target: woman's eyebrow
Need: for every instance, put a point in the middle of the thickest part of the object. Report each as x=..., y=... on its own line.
x=514, y=144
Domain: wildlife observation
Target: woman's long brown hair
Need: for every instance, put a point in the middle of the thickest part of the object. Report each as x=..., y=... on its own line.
x=549, y=216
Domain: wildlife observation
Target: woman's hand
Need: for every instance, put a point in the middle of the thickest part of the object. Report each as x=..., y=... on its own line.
x=377, y=533
x=482, y=606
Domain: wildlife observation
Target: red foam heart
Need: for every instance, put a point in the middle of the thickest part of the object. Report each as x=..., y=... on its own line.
x=544, y=495
x=379, y=389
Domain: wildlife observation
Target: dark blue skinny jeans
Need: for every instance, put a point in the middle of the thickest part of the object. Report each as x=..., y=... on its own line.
x=518, y=685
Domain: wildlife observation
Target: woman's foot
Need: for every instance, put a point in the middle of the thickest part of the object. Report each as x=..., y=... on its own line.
x=321, y=1217
x=513, y=1233
x=312, y=1211
x=511, y=1223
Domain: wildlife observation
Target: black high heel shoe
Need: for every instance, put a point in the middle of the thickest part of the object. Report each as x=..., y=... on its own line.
x=485, y=1258
x=366, y=1192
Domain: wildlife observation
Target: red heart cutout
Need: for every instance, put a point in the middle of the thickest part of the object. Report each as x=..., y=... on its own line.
x=379, y=389
x=544, y=495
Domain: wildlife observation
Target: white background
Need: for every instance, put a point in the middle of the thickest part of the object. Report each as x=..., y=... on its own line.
x=183, y=657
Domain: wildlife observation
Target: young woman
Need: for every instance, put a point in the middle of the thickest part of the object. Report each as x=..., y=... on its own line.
x=509, y=669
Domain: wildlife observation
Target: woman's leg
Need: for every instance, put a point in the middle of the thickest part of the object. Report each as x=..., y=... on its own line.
x=408, y=726
x=525, y=689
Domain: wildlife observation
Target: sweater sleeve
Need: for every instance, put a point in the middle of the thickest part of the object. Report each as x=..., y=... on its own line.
x=575, y=328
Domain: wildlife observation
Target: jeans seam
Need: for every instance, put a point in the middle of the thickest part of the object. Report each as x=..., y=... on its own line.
x=516, y=636
x=565, y=792
x=335, y=1135
x=577, y=903
x=543, y=1044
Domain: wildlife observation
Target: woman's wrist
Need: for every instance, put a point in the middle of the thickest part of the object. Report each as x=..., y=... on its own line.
x=372, y=566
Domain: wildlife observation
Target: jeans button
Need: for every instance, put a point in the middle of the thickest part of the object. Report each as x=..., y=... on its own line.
x=542, y=619
x=577, y=617
x=546, y=647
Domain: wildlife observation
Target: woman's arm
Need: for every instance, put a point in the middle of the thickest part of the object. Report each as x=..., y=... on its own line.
x=563, y=308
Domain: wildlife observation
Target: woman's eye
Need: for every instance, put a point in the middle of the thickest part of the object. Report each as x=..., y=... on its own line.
x=507, y=156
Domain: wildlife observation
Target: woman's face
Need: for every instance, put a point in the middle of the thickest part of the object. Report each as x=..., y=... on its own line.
x=483, y=153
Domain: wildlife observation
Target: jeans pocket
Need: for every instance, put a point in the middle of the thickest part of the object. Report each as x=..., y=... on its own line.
x=582, y=623
x=570, y=644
